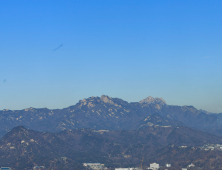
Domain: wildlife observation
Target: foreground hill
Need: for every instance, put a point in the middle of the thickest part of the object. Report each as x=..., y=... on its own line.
x=111, y=114
x=22, y=148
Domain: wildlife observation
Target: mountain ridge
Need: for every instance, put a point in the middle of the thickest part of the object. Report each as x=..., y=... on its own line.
x=110, y=113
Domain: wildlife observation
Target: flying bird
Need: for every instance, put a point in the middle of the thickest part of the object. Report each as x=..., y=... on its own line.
x=58, y=47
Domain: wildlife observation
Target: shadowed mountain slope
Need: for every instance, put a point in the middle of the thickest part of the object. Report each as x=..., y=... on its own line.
x=22, y=148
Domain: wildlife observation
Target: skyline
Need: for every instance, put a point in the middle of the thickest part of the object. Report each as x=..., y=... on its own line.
x=55, y=53
x=89, y=98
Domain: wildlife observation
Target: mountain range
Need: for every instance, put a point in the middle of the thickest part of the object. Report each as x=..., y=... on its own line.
x=111, y=114
x=111, y=131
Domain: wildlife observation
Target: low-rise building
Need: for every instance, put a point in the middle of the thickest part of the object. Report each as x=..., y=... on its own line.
x=191, y=165
x=168, y=165
x=38, y=167
x=123, y=168
x=64, y=158
x=127, y=169
x=154, y=166
x=210, y=147
x=95, y=166
x=5, y=168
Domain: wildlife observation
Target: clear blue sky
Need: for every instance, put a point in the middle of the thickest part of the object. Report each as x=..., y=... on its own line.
x=121, y=48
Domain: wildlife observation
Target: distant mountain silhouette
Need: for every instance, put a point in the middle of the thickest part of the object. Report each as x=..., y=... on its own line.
x=111, y=114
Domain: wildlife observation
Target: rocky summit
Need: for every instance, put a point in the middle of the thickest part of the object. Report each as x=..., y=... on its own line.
x=151, y=100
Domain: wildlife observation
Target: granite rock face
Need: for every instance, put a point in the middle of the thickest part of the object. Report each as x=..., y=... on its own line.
x=151, y=100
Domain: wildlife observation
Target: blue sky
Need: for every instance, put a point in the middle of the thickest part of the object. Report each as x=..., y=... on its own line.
x=126, y=49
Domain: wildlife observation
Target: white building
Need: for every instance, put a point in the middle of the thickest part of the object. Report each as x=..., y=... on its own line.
x=168, y=165
x=127, y=169
x=95, y=166
x=191, y=165
x=154, y=166
x=210, y=147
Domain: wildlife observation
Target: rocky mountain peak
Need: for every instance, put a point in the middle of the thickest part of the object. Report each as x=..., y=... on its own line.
x=19, y=129
x=151, y=100
x=29, y=109
x=106, y=99
x=93, y=101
